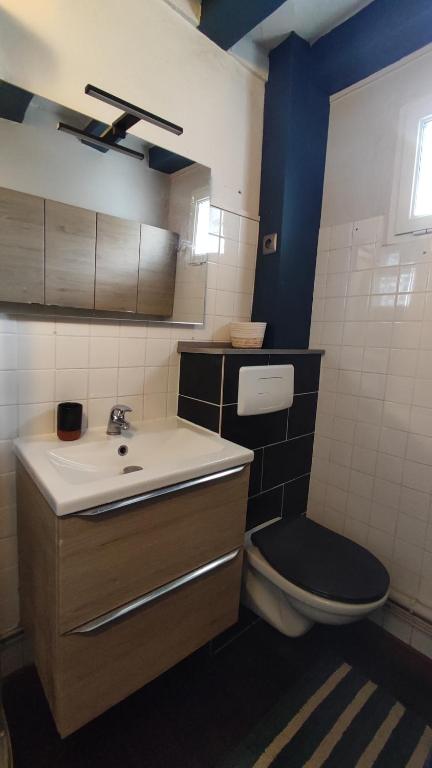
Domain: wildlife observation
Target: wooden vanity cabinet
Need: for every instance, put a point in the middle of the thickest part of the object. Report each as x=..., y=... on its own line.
x=21, y=247
x=157, y=271
x=70, y=245
x=117, y=259
x=55, y=254
x=176, y=560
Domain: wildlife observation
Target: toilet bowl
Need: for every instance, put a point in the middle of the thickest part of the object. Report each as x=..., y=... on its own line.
x=297, y=573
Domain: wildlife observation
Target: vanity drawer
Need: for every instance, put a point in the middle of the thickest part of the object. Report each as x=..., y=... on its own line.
x=99, y=669
x=110, y=559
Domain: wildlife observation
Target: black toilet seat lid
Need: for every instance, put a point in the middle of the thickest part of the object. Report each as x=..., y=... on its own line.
x=322, y=562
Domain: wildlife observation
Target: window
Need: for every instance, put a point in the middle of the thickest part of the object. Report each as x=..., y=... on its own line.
x=422, y=190
x=194, y=246
x=201, y=227
x=411, y=208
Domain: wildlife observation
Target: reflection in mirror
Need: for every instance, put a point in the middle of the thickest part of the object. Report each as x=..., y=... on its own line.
x=89, y=230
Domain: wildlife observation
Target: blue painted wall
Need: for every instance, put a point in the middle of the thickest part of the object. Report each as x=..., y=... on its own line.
x=294, y=146
x=301, y=79
x=382, y=33
x=164, y=160
x=227, y=21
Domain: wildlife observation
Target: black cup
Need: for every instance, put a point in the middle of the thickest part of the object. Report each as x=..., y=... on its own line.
x=69, y=420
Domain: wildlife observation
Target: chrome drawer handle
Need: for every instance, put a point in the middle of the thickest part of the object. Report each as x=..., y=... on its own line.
x=150, y=495
x=150, y=597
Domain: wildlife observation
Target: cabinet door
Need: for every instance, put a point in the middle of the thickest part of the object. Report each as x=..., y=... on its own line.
x=21, y=247
x=157, y=271
x=96, y=670
x=70, y=243
x=121, y=556
x=117, y=257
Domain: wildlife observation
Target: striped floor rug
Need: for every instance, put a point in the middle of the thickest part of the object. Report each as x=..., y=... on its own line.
x=337, y=718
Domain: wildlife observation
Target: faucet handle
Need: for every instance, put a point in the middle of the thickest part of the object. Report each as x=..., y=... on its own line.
x=122, y=409
x=116, y=420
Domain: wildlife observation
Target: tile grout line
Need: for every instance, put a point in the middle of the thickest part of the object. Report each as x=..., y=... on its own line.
x=262, y=470
x=197, y=400
x=279, y=485
x=221, y=394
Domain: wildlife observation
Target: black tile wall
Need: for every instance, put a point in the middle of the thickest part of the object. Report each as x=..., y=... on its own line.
x=232, y=366
x=295, y=497
x=302, y=415
x=201, y=377
x=204, y=414
x=282, y=442
x=306, y=370
x=256, y=473
x=253, y=431
x=285, y=461
x=264, y=507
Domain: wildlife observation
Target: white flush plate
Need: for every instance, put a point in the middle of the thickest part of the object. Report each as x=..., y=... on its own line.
x=265, y=389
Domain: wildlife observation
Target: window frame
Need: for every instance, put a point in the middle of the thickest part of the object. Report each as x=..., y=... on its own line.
x=402, y=222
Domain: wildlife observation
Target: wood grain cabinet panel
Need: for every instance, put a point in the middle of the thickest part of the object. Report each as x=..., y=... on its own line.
x=61, y=255
x=157, y=271
x=70, y=244
x=100, y=669
x=73, y=568
x=37, y=534
x=107, y=561
x=117, y=259
x=21, y=247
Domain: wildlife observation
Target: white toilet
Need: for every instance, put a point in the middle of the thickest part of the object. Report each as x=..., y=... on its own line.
x=297, y=572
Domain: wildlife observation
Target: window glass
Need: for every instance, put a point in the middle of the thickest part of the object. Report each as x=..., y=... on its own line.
x=423, y=177
x=201, y=229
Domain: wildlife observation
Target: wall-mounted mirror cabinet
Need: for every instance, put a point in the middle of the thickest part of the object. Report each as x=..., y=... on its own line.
x=93, y=231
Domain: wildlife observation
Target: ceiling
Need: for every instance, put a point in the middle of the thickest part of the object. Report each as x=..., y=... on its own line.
x=308, y=18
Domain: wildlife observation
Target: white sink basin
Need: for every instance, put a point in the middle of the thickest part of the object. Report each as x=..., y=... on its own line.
x=91, y=471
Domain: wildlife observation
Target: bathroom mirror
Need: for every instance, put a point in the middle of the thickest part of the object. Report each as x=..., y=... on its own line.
x=97, y=231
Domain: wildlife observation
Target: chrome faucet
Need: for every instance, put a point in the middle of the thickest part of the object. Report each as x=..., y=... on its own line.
x=117, y=421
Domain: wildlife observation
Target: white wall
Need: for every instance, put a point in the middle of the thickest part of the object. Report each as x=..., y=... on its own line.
x=372, y=312
x=363, y=133
x=151, y=56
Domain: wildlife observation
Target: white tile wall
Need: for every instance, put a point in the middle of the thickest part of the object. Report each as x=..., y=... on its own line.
x=95, y=362
x=372, y=468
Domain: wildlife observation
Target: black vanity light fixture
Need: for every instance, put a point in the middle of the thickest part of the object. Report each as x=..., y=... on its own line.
x=131, y=109
x=111, y=135
x=98, y=142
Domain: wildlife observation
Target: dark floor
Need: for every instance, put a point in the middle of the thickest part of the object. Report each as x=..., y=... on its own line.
x=200, y=710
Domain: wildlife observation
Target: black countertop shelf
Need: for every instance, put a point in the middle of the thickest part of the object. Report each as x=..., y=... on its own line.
x=216, y=348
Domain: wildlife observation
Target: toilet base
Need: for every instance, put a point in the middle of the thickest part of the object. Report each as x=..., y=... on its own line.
x=272, y=605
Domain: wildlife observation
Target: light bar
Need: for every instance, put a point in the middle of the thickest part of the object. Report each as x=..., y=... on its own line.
x=141, y=114
x=89, y=139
